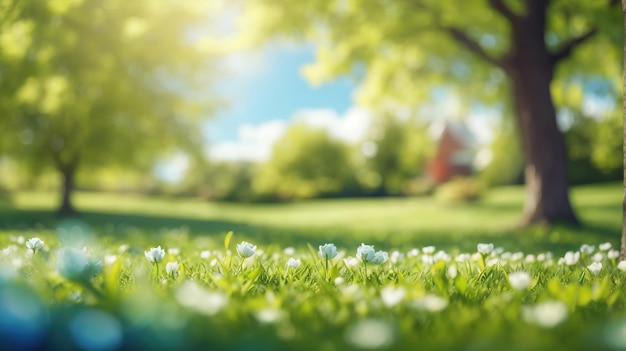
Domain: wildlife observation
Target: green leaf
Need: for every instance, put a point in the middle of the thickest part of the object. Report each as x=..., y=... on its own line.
x=229, y=236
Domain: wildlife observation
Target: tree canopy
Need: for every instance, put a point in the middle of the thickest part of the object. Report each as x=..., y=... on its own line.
x=88, y=83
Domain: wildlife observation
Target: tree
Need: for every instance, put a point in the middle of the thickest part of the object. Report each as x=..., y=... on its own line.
x=403, y=49
x=306, y=162
x=91, y=83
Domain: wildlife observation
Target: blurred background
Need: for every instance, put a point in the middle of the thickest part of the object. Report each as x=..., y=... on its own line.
x=274, y=101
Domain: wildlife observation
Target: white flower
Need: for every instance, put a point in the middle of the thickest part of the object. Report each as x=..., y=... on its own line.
x=34, y=244
x=328, y=251
x=441, y=256
x=428, y=250
x=289, y=251
x=463, y=257
x=72, y=263
x=194, y=296
x=245, y=249
x=431, y=303
x=110, y=259
x=612, y=254
x=571, y=258
x=365, y=253
x=520, y=280
x=517, y=256
x=451, y=272
x=484, y=249
x=546, y=314
x=155, y=254
x=598, y=257
x=380, y=257
x=293, y=262
x=171, y=268
x=413, y=252
x=351, y=261
x=595, y=268
x=396, y=256
x=587, y=249
x=530, y=258
x=392, y=296
x=205, y=254
x=173, y=251
x=605, y=246
x=622, y=266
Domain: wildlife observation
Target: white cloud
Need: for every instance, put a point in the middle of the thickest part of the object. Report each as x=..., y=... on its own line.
x=254, y=142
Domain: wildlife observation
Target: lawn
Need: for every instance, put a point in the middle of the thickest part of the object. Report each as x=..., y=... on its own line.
x=156, y=273
x=386, y=222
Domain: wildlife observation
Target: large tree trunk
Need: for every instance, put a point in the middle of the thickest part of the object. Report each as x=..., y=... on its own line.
x=67, y=173
x=547, y=199
x=530, y=68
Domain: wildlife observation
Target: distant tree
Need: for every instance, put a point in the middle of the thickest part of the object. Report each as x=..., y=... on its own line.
x=395, y=153
x=306, y=162
x=485, y=48
x=94, y=83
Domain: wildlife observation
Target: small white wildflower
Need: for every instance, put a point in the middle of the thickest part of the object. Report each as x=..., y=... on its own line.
x=293, y=262
x=431, y=303
x=545, y=314
x=429, y=250
x=598, y=257
x=622, y=266
x=605, y=246
x=595, y=268
x=173, y=251
x=517, y=256
x=413, y=252
x=587, y=249
x=204, y=254
x=290, y=251
x=506, y=256
x=530, y=258
x=571, y=258
x=612, y=254
x=520, y=280
x=155, y=254
x=396, y=256
x=328, y=251
x=492, y=262
x=213, y=262
x=339, y=280
x=34, y=244
x=451, y=272
x=441, y=256
x=351, y=261
x=365, y=253
x=499, y=250
x=110, y=259
x=463, y=257
x=392, y=296
x=245, y=249
x=171, y=268
x=191, y=295
x=484, y=249
x=541, y=257
x=428, y=259
x=380, y=257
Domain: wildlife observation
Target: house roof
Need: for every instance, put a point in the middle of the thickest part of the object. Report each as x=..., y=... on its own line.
x=457, y=128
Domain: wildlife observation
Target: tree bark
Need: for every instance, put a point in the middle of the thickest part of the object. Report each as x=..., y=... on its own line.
x=530, y=68
x=67, y=173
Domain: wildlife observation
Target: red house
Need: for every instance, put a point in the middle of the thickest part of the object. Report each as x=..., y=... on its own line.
x=455, y=151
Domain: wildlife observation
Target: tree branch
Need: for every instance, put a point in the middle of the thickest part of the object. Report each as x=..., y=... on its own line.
x=503, y=9
x=566, y=49
x=469, y=43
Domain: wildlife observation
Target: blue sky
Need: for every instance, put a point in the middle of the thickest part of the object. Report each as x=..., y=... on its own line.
x=268, y=85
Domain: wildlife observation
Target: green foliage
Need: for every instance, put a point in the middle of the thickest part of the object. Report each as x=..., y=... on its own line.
x=101, y=83
x=398, y=150
x=306, y=162
x=492, y=299
x=460, y=189
x=507, y=161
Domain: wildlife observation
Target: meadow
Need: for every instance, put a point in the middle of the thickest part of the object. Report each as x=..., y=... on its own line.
x=134, y=272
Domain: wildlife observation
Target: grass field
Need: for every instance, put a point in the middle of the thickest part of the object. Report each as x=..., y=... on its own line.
x=386, y=222
x=154, y=273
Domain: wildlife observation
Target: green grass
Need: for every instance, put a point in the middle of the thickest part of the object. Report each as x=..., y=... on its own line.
x=90, y=286
x=386, y=222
